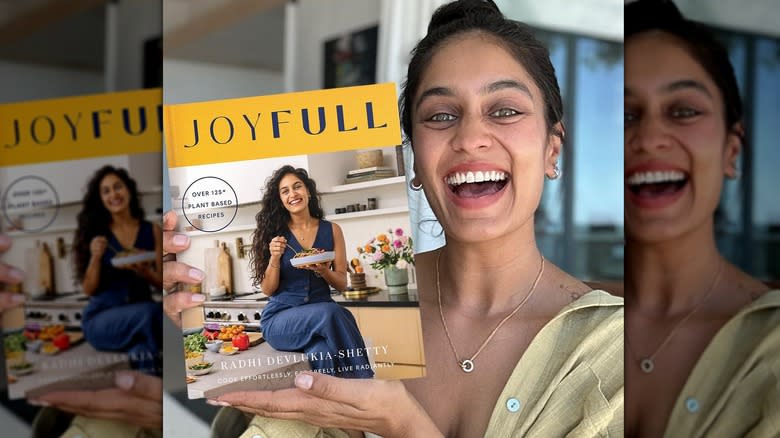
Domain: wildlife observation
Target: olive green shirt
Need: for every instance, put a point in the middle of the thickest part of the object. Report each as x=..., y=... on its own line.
x=734, y=389
x=569, y=382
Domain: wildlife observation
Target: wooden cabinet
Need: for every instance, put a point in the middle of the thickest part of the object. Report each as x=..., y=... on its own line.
x=399, y=330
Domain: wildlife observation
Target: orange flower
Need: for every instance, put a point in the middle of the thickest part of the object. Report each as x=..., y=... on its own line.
x=369, y=248
x=382, y=238
x=385, y=248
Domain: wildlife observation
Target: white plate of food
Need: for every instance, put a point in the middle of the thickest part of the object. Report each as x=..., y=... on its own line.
x=312, y=257
x=199, y=369
x=126, y=258
x=21, y=369
x=228, y=350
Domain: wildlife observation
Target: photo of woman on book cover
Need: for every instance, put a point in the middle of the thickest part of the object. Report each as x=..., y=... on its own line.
x=118, y=260
x=301, y=316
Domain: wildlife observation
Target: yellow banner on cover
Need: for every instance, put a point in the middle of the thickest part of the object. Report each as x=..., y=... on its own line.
x=298, y=123
x=81, y=127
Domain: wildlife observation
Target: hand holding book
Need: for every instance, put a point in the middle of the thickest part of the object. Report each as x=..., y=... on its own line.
x=176, y=272
x=349, y=404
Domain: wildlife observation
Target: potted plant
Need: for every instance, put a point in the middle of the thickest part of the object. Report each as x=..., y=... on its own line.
x=391, y=253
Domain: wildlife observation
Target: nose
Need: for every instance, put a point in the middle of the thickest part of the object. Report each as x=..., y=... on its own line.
x=648, y=132
x=471, y=134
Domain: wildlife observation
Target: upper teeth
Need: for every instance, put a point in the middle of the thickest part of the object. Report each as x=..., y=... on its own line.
x=655, y=177
x=459, y=178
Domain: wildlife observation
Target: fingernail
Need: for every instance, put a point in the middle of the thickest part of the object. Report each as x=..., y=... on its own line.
x=217, y=403
x=17, y=298
x=125, y=381
x=40, y=403
x=15, y=275
x=304, y=381
x=181, y=239
x=4, y=240
x=196, y=274
x=197, y=298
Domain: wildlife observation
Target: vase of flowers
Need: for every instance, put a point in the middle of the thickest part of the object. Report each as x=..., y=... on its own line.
x=391, y=253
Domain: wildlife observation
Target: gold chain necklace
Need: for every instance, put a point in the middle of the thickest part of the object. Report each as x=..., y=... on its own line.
x=647, y=364
x=467, y=365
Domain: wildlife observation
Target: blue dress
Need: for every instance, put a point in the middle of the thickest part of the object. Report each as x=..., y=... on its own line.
x=301, y=316
x=121, y=315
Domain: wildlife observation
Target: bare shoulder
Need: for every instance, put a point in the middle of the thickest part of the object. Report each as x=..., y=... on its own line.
x=570, y=287
x=336, y=229
x=744, y=284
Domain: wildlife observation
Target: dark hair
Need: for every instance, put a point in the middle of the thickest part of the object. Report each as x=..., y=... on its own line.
x=95, y=220
x=464, y=16
x=272, y=218
x=662, y=15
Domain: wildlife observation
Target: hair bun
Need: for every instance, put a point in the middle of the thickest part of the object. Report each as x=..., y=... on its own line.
x=649, y=14
x=461, y=9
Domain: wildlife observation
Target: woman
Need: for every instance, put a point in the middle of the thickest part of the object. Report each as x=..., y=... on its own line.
x=701, y=334
x=513, y=345
x=301, y=315
x=120, y=315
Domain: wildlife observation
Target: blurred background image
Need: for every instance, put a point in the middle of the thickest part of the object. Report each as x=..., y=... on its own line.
x=747, y=222
x=53, y=49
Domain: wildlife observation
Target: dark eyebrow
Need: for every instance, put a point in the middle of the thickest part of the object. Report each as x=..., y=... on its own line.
x=487, y=89
x=506, y=83
x=682, y=84
x=435, y=91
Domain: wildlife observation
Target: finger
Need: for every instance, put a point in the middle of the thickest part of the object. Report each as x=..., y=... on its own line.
x=174, y=242
x=175, y=272
x=327, y=387
x=169, y=221
x=291, y=404
x=109, y=403
x=142, y=385
x=10, y=275
x=175, y=303
x=8, y=300
x=5, y=243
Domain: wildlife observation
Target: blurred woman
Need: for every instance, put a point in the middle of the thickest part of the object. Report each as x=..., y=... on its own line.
x=121, y=315
x=702, y=335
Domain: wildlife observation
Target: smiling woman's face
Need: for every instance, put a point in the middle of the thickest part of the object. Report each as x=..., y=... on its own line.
x=677, y=147
x=114, y=194
x=481, y=146
x=293, y=193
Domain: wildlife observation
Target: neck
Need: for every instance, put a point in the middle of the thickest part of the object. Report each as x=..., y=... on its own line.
x=489, y=277
x=669, y=278
x=122, y=218
x=302, y=220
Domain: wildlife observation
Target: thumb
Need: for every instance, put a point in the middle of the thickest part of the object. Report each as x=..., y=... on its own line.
x=327, y=387
x=142, y=385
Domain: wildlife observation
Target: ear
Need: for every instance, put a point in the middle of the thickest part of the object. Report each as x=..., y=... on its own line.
x=553, y=149
x=732, y=150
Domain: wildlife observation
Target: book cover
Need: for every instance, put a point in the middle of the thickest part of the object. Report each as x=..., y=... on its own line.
x=70, y=167
x=290, y=284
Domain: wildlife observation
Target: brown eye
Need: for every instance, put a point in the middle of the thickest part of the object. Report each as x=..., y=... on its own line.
x=504, y=112
x=441, y=117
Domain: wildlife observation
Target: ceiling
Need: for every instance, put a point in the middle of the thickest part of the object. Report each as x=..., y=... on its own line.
x=63, y=33
x=245, y=33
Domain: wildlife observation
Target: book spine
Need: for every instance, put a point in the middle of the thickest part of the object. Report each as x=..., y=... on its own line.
x=399, y=160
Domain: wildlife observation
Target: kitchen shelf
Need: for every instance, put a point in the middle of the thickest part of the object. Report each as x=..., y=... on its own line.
x=366, y=185
x=229, y=229
x=366, y=213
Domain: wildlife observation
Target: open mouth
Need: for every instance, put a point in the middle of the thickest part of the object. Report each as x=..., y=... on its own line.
x=295, y=201
x=656, y=184
x=477, y=184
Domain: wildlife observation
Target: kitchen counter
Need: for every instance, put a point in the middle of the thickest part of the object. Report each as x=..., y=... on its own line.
x=381, y=299
x=257, y=368
x=78, y=368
